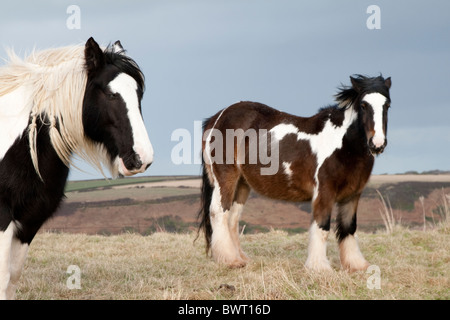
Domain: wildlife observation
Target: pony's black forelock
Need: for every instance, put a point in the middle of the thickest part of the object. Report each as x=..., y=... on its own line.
x=126, y=65
x=348, y=94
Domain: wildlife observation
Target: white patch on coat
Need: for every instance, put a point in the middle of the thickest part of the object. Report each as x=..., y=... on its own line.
x=126, y=86
x=207, y=151
x=287, y=169
x=317, y=249
x=322, y=144
x=15, y=108
x=216, y=199
x=281, y=130
x=377, y=101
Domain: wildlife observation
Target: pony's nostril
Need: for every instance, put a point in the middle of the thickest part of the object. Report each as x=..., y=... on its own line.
x=138, y=162
x=146, y=167
x=132, y=162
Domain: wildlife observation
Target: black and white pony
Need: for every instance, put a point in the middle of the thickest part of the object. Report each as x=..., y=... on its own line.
x=326, y=159
x=57, y=103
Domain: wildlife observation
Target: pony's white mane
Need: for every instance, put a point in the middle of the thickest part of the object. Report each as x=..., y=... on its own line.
x=57, y=78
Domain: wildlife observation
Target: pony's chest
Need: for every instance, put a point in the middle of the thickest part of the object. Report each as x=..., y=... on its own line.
x=352, y=184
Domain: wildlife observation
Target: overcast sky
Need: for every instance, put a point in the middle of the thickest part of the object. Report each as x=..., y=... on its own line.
x=201, y=56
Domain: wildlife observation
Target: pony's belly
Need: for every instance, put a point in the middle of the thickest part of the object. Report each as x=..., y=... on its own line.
x=289, y=194
x=281, y=186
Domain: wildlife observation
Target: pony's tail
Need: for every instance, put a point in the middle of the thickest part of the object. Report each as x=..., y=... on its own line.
x=203, y=215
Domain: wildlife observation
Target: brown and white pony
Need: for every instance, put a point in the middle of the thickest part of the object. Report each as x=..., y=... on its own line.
x=326, y=159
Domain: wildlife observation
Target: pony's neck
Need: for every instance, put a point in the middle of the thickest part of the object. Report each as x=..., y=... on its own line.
x=355, y=139
x=350, y=116
x=59, y=88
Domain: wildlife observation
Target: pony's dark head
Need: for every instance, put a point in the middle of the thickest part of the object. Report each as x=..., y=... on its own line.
x=112, y=108
x=370, y=98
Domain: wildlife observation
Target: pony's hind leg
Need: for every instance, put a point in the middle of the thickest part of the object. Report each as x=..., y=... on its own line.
x=223, y=246
x=350, y=254
x=240, y=197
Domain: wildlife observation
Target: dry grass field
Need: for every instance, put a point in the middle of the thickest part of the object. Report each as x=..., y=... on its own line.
x=411, y=264
x=72, y=258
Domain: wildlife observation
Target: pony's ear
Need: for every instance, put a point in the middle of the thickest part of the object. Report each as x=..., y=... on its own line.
x=355, y=84
x=95, y=58
x=117, y=47
x=388, y=82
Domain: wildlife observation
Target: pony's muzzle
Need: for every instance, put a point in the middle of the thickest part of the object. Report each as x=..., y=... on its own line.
x=133, y=164
x=377, y=146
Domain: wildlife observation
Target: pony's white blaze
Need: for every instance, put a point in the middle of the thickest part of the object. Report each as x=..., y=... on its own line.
x=377, y=101
x=126, y=86
x=15, y=110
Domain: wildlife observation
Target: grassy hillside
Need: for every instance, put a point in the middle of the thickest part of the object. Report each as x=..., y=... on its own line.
x=88, y=185
x=148, y=204
x=413, y=265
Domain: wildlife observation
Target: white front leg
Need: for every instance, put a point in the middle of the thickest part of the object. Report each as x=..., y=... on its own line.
x=19, y=252
x=350, y=254
x=5, y=258
x=317, y=249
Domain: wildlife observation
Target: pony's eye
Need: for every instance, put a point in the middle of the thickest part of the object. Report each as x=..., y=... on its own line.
x=363, y=106
x=112, y=96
